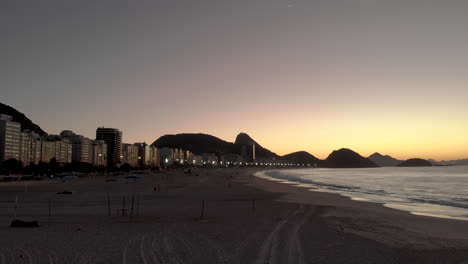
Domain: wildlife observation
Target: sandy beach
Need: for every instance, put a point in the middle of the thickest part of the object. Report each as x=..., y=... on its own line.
x=213, y=216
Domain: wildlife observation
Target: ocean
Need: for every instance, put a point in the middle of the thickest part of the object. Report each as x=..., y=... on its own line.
x=432, y=191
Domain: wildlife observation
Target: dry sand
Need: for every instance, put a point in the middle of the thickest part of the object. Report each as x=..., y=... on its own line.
x=246, y=220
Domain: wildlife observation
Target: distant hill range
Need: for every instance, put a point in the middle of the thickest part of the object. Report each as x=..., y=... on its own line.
x=203, y=143
x=346, y=158
x=459, y=162
x=384, y=161
x=19, y=117
x=415, y=163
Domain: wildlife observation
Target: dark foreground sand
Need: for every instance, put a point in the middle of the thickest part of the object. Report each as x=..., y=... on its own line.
x=246, y=220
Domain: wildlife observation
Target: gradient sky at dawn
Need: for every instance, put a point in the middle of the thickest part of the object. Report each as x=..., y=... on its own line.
x=314, y=75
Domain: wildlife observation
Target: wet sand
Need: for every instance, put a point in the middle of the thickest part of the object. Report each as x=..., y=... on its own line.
x=245, y=220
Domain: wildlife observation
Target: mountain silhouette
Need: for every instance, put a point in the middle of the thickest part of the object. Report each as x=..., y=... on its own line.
x=415, y=163
x=346, y=158
x=19, y=117
x=197, y=143
x=301, y=157
x=384, y=161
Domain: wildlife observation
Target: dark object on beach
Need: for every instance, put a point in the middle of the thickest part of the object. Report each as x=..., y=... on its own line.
x=187, y=171
x=19, y=223
x=65, y=192
x=415, y=163
x=111, y=180
x=133, y=177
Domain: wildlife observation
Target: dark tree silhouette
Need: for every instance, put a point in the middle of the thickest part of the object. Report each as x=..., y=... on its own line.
x=12, y=166
x=126, y=167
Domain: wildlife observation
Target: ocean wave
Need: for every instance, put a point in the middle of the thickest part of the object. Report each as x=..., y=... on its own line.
x=308, y=181
x=397, y=189
x=440, y=202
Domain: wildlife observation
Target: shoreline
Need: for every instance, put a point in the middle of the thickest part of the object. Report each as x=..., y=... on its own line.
x=388, y=204
x=345, y=207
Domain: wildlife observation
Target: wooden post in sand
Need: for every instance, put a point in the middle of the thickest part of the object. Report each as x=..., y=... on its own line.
x=123, y=205
x=202, y=210
x=131, y=211
x=108, y=204
x=16, y=206
x=49, y=212
x=138, y=204
x=253, y=204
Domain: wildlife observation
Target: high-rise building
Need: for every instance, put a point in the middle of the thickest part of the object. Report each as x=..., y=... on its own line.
x=10, y=137
x=113, y=139
x=99, y=153
x=166, y=156
x=130, y=154
x=56, y=147
x=143, y=154
x=81, y=146
x=188, y=155
x=47, y=150
x=154, y=158
x=210, y=159
x=30, y=148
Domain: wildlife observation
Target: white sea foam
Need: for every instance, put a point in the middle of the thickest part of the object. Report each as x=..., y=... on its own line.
x=430, y=191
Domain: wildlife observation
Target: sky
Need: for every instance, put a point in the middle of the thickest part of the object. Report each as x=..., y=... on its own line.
x=313, y=75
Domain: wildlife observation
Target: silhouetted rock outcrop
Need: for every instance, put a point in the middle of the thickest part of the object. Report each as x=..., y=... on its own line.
x=19, y=117
x=415, y=163
x=384, y=161
x=346, y=158
x=260, y=152
x=301, y=157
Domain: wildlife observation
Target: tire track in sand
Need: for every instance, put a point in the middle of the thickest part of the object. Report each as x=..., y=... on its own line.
x=286, y=231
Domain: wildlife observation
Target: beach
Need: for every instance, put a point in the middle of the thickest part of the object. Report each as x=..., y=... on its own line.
x=213, y=216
